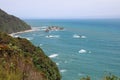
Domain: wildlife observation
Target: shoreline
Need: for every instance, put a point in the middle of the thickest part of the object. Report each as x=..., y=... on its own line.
x=30, y=30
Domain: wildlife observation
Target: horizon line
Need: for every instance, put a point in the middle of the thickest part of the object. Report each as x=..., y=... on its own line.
x=67, y=18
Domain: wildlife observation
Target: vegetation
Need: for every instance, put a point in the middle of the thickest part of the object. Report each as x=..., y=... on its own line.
x=111, y=77
x=107, y=77
x=10, y=23
x=20, y=60
x=85, y=78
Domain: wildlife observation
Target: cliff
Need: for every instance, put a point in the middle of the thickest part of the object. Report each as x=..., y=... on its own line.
x=20, y=60
x=11, y=24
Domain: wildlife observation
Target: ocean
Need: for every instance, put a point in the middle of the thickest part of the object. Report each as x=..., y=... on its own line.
x=86, y=47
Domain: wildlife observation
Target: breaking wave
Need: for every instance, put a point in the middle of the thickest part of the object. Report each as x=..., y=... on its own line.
x=53, y=55
x=52, y=36
x=82, y=51
x=63, y=70
x=78, y=36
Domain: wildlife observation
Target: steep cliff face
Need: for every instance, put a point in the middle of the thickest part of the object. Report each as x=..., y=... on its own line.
x=20, y=60
x=11, y=24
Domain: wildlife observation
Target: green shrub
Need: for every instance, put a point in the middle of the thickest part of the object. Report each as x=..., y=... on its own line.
x=111, y=77
x=85, y=78
x=18, y=53
x=107, y=77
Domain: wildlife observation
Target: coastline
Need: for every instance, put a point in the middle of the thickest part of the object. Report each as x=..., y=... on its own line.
x=30, y=30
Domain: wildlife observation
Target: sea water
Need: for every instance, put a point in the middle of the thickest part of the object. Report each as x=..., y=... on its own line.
x=84, y=48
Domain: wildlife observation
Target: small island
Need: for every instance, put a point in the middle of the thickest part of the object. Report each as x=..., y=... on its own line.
x=53, y=28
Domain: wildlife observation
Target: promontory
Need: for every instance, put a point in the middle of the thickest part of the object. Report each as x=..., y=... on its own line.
x=19, y=58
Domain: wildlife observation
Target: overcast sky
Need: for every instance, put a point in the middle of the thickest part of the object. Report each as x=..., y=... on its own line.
x=62, y=8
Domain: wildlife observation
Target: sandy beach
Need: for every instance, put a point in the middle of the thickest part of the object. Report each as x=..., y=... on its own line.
x=32, y=29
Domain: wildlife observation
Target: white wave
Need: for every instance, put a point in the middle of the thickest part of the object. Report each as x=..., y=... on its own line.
x=16, y=36
x=82, y=51
x=52, y=36
x=63, y=70
x=40, y=44
x=57, y=64
x=78, y=36
x=43, y=28
x=37, y=28
x=53, y=55
x=83, y=37
x=29, y=38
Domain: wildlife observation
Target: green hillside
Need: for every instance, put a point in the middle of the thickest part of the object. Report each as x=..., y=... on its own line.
x=10, y=23
x=20, y=60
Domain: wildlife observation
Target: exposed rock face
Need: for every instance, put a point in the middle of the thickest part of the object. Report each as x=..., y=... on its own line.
x=11, y=24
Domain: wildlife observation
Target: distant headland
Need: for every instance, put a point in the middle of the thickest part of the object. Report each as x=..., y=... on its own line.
x=11, y=24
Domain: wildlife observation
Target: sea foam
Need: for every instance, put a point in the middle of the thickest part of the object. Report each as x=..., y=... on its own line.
x=53, y=55
x=40, y=44
x=78, y=36
x=83, y=37
x=63, y=70
x=82, y=51
x=29, y=38
x=52, y=36
x=57, y=64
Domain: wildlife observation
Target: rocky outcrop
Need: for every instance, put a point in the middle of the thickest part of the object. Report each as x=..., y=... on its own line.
x=53, y=28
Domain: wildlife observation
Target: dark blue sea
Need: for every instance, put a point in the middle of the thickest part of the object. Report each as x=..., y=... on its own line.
x=84, y=48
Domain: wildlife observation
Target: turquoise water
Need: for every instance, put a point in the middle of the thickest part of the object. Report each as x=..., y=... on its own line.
x=96, y=54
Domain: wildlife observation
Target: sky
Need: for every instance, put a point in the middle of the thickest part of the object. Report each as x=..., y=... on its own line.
x=62, y=9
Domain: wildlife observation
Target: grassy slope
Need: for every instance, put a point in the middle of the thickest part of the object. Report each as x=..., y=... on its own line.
x=20, y=60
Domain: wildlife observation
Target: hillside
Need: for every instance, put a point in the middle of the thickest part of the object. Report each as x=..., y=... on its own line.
x=11, y=24
x=20, y=60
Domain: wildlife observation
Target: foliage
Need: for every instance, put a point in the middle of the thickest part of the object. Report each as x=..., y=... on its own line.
x=111, y=77
x=10, y=23
x=85, y=78
x=107, y=77
x=19, y=58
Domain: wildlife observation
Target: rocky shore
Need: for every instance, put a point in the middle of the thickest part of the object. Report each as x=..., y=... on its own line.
x=53, y=28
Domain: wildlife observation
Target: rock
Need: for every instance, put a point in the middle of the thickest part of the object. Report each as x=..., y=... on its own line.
x=54, y=28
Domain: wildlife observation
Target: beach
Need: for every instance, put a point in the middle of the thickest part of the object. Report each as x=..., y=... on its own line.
x=26, y=31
